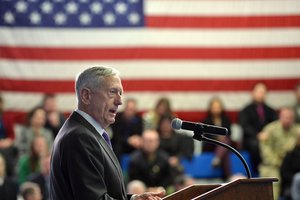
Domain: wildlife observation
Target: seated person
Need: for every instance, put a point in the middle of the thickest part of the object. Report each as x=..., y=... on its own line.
x=149, y=164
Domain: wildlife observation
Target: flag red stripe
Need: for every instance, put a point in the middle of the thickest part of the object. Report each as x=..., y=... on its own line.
x=223, y=22
x=38, y=53
x=154, y=85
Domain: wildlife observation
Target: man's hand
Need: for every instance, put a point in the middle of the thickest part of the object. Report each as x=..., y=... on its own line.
x=150, y=196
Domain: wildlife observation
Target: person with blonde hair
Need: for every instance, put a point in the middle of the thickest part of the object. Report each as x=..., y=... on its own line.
x=30, y=191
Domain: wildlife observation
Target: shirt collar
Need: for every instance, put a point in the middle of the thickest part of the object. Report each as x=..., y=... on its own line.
x=91, y=120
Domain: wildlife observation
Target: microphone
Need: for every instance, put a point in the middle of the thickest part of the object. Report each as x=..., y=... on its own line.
x=198, y=127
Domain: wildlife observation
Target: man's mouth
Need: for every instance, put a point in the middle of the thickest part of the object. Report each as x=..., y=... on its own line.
x=114, y=111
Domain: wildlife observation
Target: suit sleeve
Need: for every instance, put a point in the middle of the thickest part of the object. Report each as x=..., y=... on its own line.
x=85, y=168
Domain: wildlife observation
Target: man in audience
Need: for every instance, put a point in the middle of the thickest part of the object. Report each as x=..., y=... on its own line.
x=276, y=139
x=30, y=191
x=150, y=164
x=136, y=187
x=252, y=119
x=127, y=129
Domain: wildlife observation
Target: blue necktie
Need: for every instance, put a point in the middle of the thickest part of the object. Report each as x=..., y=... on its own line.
x=106, y=137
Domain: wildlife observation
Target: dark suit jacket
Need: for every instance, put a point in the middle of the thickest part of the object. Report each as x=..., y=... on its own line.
x=9, y=190
x=83, y=166
x=250, y=123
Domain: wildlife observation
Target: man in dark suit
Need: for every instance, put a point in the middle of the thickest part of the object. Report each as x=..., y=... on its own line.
x=83, y=165
x=252, y=119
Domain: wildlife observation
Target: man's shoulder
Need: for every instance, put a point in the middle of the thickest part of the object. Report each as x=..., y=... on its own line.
x=71, y=132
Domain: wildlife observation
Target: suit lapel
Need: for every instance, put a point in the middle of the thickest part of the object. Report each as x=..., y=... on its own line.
x=77, y=117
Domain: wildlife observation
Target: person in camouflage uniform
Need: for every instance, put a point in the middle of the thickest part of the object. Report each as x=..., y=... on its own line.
x=276, y=140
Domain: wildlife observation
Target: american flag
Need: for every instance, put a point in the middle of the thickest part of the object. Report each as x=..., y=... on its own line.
x=186, y=50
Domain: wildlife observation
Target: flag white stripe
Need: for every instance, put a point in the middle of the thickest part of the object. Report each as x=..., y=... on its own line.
x=221, y=8
x=183, y=101
x=159, y=37
x=152, y=69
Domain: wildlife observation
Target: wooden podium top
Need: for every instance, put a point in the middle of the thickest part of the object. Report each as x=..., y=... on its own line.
x=240, y=189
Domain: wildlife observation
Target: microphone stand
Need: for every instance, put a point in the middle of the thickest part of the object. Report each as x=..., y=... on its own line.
x=200, y=137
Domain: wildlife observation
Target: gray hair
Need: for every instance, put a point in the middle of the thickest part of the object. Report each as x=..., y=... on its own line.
x=92, y=78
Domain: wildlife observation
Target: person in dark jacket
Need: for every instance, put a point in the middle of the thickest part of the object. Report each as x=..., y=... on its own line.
x=290, y=166
x=252, y=119
x=8, y=187
x=83, y=164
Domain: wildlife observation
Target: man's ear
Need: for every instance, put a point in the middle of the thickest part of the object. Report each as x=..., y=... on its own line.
x=85, y=95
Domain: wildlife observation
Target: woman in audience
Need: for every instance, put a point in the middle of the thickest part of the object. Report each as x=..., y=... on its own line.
x=216, y=116
x=175, y=144
x=151, y=118
x=54, y=118
x=36, y=122
x=29, y=164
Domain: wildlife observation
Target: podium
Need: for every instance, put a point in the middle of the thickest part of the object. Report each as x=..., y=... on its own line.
x=240, y=189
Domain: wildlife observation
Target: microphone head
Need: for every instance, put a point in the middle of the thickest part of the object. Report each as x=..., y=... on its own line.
x=176, y=124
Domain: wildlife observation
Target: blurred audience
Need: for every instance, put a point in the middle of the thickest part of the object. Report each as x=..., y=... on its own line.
x=297, y=104
x=216, y=116
x=136, y=187
x=276, y=140
x=150, y=164
x=183, y=181
x=29, y=164
x=42, y=178
x=54, y=118
x=252, y=119
x=290, y=166
x=8, y=187
x=295, y=193
x=35, y=127
x=7, y=137
x=177, y=146
x=127, y=129
x=30, y=191
x=162, y=107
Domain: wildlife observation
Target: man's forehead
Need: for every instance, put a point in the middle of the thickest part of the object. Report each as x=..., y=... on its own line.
x=113, y=81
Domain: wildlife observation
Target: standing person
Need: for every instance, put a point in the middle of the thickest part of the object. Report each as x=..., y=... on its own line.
x=127, y=129
x=216, y=116
x=252, y=120
x=83, y=164
x=54, y=118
